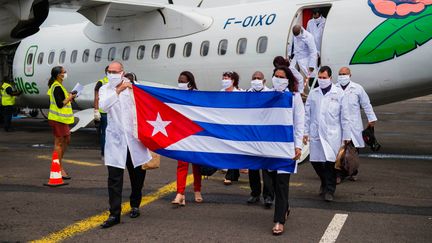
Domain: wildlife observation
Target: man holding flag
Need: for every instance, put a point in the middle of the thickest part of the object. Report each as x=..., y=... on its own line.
x=122, y=148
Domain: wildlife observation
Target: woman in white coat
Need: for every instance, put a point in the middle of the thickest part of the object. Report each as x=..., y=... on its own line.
x=326, y=126
x=357, y=99
x=284, y=81
x=122, y=149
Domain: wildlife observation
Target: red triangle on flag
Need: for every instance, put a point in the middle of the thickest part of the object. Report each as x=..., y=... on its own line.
x=158, y=124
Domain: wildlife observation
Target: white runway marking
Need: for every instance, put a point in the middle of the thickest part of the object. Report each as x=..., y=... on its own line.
x=397, y=156
x=334, y=228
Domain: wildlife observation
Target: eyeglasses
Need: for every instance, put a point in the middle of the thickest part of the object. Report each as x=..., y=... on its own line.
x=228, y=73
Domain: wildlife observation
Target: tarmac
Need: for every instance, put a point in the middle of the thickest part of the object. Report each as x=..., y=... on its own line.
x=390, y=202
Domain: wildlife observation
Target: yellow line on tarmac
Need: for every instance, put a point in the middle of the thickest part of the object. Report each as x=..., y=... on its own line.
x=71, y=161
x=95, y=221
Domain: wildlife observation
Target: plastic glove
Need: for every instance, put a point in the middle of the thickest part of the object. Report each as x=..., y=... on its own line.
x=97, y=115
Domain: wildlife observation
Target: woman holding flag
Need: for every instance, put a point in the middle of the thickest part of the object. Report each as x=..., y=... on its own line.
x=186, y=81
x=284, y=81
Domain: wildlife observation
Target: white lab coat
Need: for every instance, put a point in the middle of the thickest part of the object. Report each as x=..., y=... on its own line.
x=316, y=28
x=299, y=124
x=326, y=123
x=121, y=114
x=299, y=78
x=357, y=98
x=305, y=53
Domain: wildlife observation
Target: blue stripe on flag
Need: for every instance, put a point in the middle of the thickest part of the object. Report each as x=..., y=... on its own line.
x=217, y=99
x=230, y=161
x=258, y=133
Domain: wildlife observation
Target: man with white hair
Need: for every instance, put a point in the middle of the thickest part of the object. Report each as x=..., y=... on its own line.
x=122, y=148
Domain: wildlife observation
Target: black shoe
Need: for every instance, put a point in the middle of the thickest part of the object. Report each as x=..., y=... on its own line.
x=111, y=221
x=268, y=202
x=253, y=200
x=328, y=197
x=134, y=213
x=66, y=177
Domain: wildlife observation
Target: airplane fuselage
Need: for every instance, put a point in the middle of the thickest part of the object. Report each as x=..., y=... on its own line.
x=242, y=27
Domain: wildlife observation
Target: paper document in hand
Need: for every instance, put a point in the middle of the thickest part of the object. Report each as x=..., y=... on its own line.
x=78, y=89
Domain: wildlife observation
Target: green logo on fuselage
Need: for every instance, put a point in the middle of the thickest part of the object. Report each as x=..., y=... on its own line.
x=26, y=87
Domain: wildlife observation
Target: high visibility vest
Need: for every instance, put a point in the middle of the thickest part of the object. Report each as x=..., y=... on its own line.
x=64, y=114
x=103, y=81
x=6, y=98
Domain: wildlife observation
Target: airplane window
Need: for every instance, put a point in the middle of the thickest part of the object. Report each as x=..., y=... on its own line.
x=51, y=57
x=155, y=51
x=171, y=50
x=62, y=57
x=262, y=44
x=85, y=55
x=112, y=54
x=140, y=52
x=40, y=58
x=30, y=59
x=187, y=49
x=222, y=49
x=241, y=46
x=98, y=55
x=126, y=53
x=73, y=57
x=205, y=46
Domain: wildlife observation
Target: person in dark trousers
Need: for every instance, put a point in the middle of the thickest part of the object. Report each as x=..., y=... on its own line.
x=122, y=148
x=284, y=81
x=326, y=128
x=8, y=95
x=258, y=85
x=100, y=115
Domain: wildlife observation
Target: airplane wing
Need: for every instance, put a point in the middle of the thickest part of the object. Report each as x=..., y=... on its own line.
x=22, y=18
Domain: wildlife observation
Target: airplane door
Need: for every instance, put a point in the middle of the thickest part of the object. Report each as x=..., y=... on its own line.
x=29, y=61
x=303, y=15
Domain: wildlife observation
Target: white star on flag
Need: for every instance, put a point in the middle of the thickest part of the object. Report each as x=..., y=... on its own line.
x=159, y=125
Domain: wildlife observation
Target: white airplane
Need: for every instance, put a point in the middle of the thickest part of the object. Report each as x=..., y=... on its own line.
x=389, y=54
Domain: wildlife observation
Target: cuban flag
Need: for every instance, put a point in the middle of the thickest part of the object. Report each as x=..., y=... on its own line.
x=230, y=130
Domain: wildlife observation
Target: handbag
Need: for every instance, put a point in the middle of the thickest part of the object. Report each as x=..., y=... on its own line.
x=347, y=159
x=154, y=163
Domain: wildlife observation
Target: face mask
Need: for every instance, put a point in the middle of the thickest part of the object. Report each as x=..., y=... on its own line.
x=324, y=83
x=226, y=83
x=279, y=84
x=343, y=79
x=64, y=76
x=257, y=84
x=114, y=79
x=183, y=86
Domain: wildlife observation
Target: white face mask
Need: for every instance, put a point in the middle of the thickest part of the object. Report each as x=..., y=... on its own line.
x=343, y=79
x=324, y=83
x=279, y=84
x=114, y=79
x=183, y=86
x=257, y=84
x=226, y=83
x=64, y=76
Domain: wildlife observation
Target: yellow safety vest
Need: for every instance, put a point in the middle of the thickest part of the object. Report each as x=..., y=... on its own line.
x=6, y=98
x=64, y=114
x=103, y=81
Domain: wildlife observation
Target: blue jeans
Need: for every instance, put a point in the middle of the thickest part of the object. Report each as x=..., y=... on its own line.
x=102, y=128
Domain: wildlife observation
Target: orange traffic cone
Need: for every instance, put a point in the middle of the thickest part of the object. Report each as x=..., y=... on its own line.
x=55, y=174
